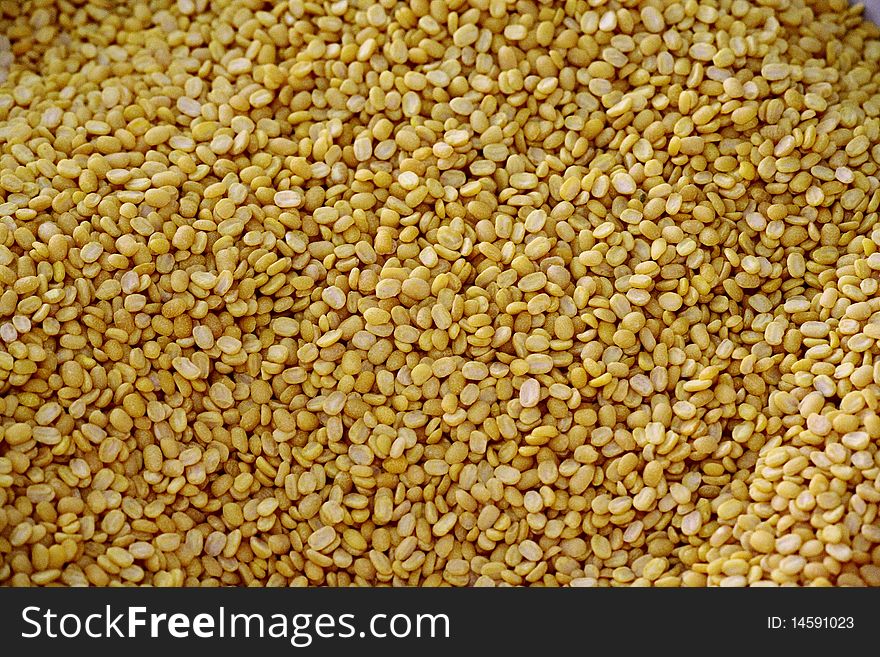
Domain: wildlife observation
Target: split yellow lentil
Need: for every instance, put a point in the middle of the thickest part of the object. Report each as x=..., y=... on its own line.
x=439, y=292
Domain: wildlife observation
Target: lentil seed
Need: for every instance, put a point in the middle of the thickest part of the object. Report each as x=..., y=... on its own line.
x=559, y=296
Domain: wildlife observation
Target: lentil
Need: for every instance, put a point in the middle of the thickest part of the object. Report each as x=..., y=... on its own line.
x=422, y=293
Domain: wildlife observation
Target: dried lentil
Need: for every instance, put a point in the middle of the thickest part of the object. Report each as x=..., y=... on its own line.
x=423, y=293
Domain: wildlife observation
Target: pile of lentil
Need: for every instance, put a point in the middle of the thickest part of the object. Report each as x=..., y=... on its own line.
x=466, y=292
